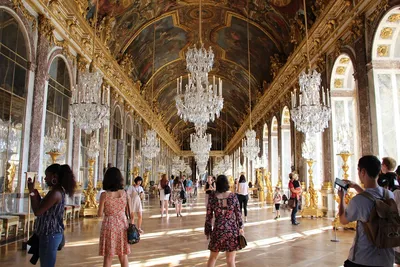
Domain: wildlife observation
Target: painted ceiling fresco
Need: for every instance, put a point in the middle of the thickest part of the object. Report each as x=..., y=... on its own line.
x=224, y=28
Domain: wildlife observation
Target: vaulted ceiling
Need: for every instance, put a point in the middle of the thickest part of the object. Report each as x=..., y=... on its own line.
x=223, y=28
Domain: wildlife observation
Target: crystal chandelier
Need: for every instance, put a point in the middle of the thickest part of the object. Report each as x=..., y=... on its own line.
x=201, y=166
x=150, y=144
x=227, y=163
x=93, y=149
x=8, y=137
x=201, y=102
x=188, y=170
x=308, y=148
x=343, y=138
x=55, y=140
x=200, y=143
x=309, y=114
x=89, y=108
x=250, y=145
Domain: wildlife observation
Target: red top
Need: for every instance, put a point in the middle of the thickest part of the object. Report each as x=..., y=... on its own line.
x=293, y=194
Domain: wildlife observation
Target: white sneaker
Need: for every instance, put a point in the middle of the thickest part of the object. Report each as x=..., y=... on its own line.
x=245, y=218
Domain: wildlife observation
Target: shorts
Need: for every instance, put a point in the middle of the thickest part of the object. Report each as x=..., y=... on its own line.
x=277, y=206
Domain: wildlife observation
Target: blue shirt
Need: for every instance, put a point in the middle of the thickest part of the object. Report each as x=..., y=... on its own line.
x=367, y=253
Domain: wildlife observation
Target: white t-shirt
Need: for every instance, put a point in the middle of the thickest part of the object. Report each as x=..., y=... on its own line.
x=359, y=209
x=243, y=189
x=134, y=191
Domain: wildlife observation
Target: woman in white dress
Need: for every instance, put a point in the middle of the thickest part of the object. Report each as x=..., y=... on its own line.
x=165, y=192
x=136, y=193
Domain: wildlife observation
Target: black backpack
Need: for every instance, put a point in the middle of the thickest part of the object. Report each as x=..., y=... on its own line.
x=167, y=190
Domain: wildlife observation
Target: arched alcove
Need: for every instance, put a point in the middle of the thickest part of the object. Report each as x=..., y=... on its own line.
x=345, y=128
x=386, y=76
x=13, y=98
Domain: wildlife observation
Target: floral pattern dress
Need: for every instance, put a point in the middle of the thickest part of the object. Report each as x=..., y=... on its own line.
x=228, y=221
x=176, y=193
x=113, y=237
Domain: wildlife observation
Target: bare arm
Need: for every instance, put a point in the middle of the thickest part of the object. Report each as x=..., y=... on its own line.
x=342, y=215
x=101, y=205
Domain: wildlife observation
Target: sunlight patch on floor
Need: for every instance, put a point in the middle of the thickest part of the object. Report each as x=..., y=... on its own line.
x=177, y=259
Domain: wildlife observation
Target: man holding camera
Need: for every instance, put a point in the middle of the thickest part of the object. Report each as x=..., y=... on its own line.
x=363, y=252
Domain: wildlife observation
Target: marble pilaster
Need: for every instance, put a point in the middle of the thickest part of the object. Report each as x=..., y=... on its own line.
x=280, y=152
x=120, y=155
x=364, y=97
x=39, y=104
x=76, y=147
x=100, y=159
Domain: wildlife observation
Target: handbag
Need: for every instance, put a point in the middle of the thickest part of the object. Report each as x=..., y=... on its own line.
x=132, y=231
x=242, y=241
x=292, y=203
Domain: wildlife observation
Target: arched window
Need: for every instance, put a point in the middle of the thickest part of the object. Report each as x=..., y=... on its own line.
x=286, y=161
x=265, y=145
x=13, y=92
x=58, y=100
x=117, y=127
x=344, y=116
x=274, y=152
x=386, y=73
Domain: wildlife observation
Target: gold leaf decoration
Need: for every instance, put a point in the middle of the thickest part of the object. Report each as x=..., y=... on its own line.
x=394, y=18
x=344, y=60
x=338, y=83
x=383, y=51
x=386, y=33
x=340, y=70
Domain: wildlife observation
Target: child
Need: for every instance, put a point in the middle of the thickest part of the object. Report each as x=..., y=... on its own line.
x=277, y=201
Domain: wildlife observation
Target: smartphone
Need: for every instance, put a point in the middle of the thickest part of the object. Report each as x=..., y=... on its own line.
x=341, y=183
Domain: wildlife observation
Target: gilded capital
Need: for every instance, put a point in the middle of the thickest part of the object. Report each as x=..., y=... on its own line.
x=45, y=28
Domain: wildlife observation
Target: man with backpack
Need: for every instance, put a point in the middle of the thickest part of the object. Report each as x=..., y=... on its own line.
x=378, y=222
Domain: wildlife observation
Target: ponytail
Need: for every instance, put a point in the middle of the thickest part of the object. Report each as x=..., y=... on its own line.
x=66, y=177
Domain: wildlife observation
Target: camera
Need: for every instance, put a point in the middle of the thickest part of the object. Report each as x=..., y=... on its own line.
x=342, y=184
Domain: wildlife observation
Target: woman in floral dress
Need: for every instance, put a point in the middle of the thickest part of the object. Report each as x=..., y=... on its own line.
x=177, y=187
x=228, y=223
x=113, y=204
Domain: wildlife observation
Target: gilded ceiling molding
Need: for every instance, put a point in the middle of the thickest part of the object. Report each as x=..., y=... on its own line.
x=18, y=4
x=322, y=29
x=46, y=28
x=65, y=12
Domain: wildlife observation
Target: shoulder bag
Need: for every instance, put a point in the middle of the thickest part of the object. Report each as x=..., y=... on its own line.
x=242, y=241
x=132, y=231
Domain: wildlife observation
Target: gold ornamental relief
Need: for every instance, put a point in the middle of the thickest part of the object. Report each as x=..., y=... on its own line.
x=280, y=3
x=19, y=5
x=387, y=33
x=394, y=18
x=340, y=70
x=344, y=60
x=383, y=51
x=338, y=83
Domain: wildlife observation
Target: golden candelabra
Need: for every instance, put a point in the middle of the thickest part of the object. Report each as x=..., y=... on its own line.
x=311, y=197
x=349, y=195
x=54, y=155
x=135, y=172
x=90, y=207
x=260, y=185
x=10, y=179
x=268, y=185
